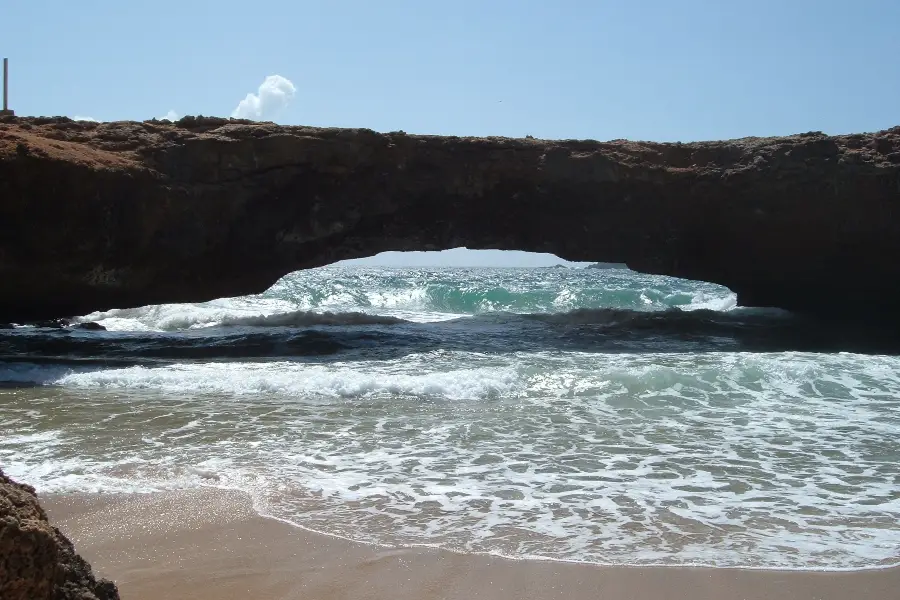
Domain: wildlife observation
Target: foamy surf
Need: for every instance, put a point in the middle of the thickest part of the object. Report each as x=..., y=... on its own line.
x=601, y=417
x=423, y=295
x=734, y=460
x=297, y=380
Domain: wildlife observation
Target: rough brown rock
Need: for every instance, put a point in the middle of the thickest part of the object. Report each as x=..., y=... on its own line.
x=101, y=215
x=36, y=560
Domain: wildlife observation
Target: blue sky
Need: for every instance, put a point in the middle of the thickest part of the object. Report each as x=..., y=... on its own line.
x=657, y=70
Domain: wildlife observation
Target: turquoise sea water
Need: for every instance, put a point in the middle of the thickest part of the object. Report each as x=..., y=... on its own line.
x=575, y=414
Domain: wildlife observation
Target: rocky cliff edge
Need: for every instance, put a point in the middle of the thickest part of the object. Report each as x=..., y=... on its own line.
x=37, y=562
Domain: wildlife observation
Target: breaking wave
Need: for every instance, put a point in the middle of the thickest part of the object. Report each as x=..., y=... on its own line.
x=305, y=318
x=352, y=296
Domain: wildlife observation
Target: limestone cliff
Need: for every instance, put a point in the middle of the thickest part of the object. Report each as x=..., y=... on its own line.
x=37, y=562
x=101, y=215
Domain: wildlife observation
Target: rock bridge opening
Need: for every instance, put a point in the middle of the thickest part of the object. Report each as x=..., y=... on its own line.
x=103, y=215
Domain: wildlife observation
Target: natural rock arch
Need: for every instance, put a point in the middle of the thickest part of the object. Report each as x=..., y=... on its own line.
x=101, y=215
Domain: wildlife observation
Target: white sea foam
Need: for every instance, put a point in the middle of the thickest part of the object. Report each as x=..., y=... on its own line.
x=171, y=317
x=298, y=379
x=783, y=460
x=424, y=296
x=253, y=311
x=707, y=301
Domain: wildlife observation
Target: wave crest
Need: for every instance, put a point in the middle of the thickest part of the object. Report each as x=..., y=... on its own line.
x=303, y=318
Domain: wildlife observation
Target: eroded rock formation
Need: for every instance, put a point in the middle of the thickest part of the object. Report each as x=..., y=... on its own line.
x=37, y=562
x=101, y=215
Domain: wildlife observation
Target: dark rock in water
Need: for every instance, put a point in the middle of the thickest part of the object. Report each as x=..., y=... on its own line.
x=607, y=266
x=89, y=326
x=115, y=215
x=37, y=561
x=7, y=326
x=52, y=323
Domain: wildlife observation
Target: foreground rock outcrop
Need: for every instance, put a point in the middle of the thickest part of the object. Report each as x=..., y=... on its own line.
x=37, y=561
x=101, y=215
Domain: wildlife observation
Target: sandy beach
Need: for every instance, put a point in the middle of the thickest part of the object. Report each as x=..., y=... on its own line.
x=210, y=544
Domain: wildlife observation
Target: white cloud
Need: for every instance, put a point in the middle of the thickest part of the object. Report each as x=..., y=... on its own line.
x=275, y=93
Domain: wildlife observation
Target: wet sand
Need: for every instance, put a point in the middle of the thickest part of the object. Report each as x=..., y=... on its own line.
x=211, y=545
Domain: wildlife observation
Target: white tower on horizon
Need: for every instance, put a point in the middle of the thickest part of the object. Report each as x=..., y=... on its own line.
x=6, y=110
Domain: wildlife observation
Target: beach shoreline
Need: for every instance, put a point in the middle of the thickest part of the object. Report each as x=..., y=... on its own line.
x=210, y=544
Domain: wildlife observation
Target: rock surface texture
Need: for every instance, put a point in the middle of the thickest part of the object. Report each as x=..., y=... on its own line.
x=102, y=215
x=37, y=562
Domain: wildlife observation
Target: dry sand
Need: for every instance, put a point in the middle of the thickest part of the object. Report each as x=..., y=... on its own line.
x=211, y=545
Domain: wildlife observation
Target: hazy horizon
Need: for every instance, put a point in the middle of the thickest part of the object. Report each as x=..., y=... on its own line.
x=462, y=257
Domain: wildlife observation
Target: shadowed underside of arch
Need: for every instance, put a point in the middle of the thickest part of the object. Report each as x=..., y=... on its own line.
x=102, y=215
